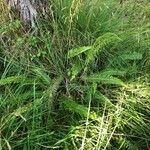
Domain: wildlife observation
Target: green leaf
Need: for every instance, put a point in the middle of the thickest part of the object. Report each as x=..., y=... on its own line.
x=103, y=99
x=113, y=72
x=41, y=74
x=76, y=69
x=104, y=79
x=131, y=56
x=13, y=79
x=123, y=58
x=72, y=106
x=77, y=51
x=99, y=44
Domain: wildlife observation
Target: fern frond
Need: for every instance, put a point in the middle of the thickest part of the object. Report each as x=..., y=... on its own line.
x=99, y=44
x=76, y=69
x=122, y=58
x=53, y=87
x=22, y=109
x=77, y=108
x=77, y=51
x=12, y=79
x=104, y=79
x=131, y=56
x=41, y=74
x=103, y=99
x=112, y=72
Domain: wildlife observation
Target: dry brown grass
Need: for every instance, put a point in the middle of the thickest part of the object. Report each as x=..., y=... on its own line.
x=4, y=15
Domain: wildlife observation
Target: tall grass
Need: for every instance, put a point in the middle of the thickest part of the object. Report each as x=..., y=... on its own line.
x=79, y=80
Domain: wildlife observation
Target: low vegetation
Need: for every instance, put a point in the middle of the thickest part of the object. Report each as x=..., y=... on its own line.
x=79, y=79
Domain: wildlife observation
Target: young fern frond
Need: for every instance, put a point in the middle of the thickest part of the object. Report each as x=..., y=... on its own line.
x=78, y=66
x=104, y=79
x=50, y=92
x=125, y=57
x=42, y=75
x=99, y=97
x=76, y=69
x=77, y=51
x=12, y=79
x=72, y=106
x=131, y=56
x=99, y=44
x=112, y=72
x=23, y=109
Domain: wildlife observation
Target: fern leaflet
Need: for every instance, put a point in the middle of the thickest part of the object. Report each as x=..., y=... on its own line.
x=77, y=51
x=104, y=79
x=99, y=44
x=103, y=99
x=12, y=79
x=76, y=69
x=77, y=108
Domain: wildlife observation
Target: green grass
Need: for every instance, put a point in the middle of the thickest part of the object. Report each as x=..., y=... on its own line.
x=79, y=80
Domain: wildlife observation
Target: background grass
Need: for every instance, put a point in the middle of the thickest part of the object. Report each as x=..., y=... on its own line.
x=96, y=99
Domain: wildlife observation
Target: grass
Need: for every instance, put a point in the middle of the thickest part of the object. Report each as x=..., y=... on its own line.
x=79, y=80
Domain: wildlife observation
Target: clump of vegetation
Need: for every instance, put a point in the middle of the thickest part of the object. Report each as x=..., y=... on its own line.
x=79, y=79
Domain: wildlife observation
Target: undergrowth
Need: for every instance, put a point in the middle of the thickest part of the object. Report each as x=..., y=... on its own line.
x=79, y=80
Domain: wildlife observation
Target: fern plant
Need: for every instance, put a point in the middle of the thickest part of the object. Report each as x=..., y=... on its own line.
x=91, y=52
x=82, y=65
x=85, y=56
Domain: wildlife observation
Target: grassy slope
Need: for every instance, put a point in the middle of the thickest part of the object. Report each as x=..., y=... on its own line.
x=46, y=103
